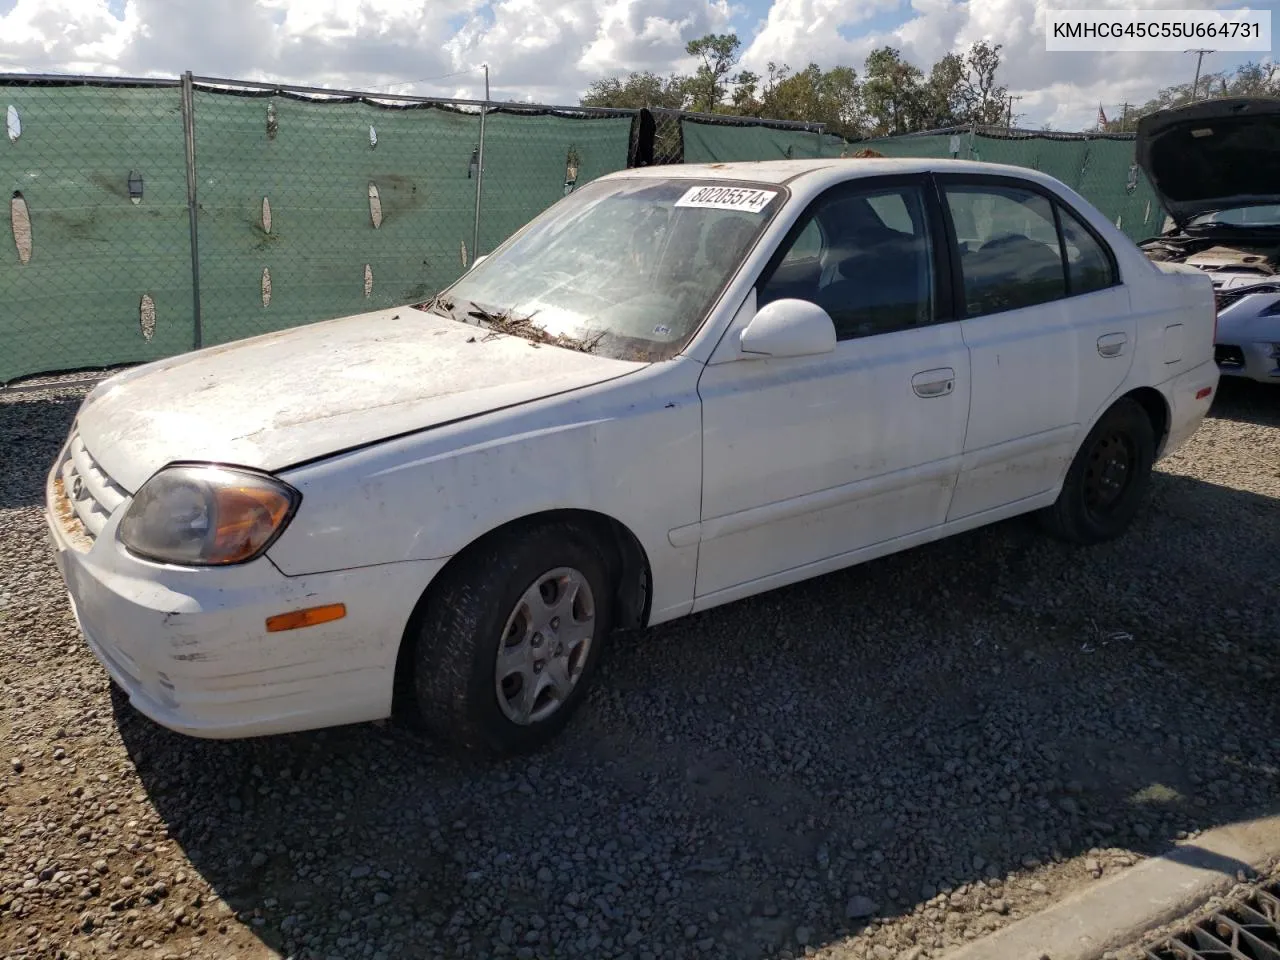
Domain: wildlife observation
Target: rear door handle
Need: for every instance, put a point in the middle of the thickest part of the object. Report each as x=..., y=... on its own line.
x=1111, y=344
x=934, y=383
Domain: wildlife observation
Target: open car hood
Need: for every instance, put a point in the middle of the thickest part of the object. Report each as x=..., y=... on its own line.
x=1212, y=155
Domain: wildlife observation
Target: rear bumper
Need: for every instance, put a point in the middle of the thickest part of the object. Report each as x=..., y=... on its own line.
x=1189, y=396
x=191, y=650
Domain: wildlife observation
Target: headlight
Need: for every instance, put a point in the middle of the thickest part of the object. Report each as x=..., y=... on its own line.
x=206, y=516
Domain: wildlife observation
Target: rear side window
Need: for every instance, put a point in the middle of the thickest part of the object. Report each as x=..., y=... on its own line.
x=1010, y=256
x=1089, y=267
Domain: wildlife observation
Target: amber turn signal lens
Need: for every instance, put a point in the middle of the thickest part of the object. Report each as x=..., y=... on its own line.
x=306, y=618
x=246, y=517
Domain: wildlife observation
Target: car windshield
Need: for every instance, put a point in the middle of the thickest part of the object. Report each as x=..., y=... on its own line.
x=622, y=268
x=1262, y=215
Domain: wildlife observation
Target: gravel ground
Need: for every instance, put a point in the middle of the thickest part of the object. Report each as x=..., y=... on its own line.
x=879, y=763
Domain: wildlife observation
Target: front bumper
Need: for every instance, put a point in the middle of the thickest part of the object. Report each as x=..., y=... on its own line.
x=1250, y=361
x=190, y=648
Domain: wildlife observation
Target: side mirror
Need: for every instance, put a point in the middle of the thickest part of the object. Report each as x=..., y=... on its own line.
x=789, y=328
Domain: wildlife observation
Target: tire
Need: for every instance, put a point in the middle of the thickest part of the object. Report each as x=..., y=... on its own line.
x=1091, y=507
x=469, y=615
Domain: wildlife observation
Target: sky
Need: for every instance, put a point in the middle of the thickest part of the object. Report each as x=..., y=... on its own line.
x=548, y=51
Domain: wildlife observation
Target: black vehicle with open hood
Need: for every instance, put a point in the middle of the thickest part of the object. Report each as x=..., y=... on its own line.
x=1215, y=166
x=1213, y=156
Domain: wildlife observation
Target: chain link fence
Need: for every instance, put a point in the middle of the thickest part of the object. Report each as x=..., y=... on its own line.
x=308, y=210
x=97, y=268
x=150, y=217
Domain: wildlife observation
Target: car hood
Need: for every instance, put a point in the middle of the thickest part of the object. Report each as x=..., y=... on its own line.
x=1212, y=155
x=283, y=398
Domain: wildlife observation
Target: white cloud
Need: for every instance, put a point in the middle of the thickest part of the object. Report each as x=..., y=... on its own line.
x=61, y=36
x=551, y=52
x=1060, y=88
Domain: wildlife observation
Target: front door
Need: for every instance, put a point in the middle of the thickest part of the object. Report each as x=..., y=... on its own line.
x=811, y=459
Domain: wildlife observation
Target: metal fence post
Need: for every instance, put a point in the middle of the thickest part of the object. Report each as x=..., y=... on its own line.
x=189, y=144
x=475, y=230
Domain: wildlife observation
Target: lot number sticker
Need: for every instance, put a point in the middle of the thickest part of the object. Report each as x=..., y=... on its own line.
x=727, y=198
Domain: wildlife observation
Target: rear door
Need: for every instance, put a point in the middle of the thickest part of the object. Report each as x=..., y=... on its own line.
x=1049, y=330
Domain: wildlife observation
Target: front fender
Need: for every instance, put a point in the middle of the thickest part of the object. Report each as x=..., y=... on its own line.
x=630, y=449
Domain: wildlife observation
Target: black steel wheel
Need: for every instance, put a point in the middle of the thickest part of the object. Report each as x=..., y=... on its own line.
x=1108, y=478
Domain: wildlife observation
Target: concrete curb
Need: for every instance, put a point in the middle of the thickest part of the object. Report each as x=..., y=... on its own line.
x=1114, y=913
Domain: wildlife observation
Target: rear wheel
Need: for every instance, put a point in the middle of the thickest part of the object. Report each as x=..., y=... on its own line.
x=1108, y=478
x=511, y=638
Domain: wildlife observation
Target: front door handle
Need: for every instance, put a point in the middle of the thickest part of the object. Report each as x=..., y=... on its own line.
x=934, y=383
x=1112, y=344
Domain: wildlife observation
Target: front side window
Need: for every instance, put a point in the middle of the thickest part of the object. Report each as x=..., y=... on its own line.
x=1010, y=256
x=872, y=269
x=625, y=268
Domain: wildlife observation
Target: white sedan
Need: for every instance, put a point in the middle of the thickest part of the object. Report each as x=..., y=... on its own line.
x=677, y=387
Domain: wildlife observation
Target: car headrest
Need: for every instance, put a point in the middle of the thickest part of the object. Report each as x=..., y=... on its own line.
x=883, y=255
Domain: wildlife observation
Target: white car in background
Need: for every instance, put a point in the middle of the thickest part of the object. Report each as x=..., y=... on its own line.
x=1212, y=163
x=678, y=387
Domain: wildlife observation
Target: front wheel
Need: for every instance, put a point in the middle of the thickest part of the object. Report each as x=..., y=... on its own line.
x=1108, y=478
x=510, y=639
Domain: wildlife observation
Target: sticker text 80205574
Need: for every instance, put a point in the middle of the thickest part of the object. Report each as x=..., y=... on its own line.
x=747, y=199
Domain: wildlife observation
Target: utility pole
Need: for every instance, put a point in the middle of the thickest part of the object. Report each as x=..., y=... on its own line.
x=1124, y=116
x=475, y=229
x=1009, y=122
x=1195, y=86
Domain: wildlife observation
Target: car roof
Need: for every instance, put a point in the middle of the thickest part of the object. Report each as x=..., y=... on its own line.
x=831, y=169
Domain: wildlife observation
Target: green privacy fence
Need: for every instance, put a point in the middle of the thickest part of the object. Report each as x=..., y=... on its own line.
x=80, y=256
x=254, y=207
x=314, y=210
x=709, y=142
x=148, y=217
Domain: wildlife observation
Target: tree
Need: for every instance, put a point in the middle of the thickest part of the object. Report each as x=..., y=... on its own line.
x=1249, y=80
x=744, y=93
x=943, y=101
x=893, y=96
x=982, y=98
x=842, y=94
x=1256, y=80
x=892, y=93
x=637, y=90
x=718, y=53
x=833, y=97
